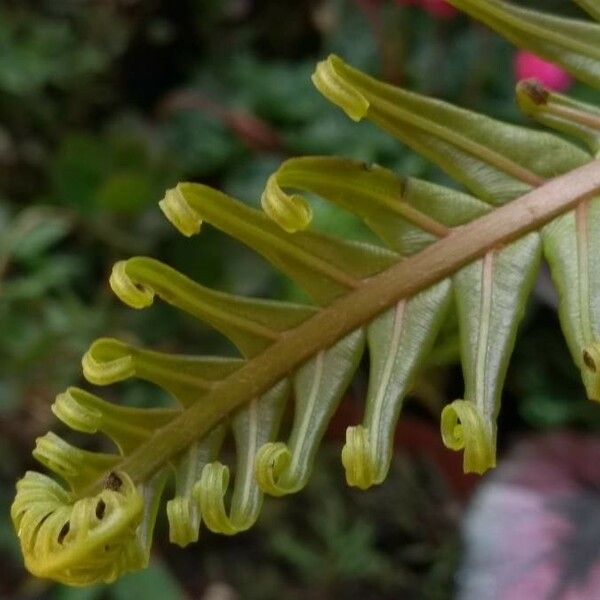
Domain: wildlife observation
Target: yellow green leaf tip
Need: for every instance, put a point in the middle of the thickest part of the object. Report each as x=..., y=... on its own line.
x=463, y=428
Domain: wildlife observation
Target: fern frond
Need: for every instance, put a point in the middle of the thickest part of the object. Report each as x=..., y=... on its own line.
x=439, y=248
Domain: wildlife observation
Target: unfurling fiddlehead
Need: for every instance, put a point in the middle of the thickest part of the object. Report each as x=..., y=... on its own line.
x=441, y=250
x=79, y=542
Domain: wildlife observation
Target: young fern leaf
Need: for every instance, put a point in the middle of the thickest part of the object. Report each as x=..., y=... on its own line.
x=490, y=297
x=252, y=426
x=567, y=241
x=202, y=481
x=283, y=469
x=398, y=342
x=490, y=294
x=483, y=251
x=324, y=267
x=496, y=161
x=99, y=536
x=43, y=515
x=250, y=324
x=408, y=215
x=571, y=247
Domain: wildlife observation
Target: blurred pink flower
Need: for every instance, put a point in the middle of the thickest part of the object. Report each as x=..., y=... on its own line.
x=436, y=8
x=530, y=66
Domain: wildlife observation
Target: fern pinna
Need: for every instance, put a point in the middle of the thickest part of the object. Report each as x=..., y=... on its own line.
x=441, y=250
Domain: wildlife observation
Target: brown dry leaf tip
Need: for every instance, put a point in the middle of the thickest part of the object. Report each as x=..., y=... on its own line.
x=589, y=361
x=113, y=482
x=536, y=92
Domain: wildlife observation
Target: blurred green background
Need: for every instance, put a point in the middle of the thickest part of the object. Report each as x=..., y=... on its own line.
x=104, y=104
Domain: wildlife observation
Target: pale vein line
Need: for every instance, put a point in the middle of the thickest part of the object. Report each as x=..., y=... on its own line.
x=191, y=473
x=312, y=399
x=487, y=272
x=252, y=447
x=581, y=229
x=387, y=371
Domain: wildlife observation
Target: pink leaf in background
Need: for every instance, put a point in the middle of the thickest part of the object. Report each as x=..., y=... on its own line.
x=530, y=66
x=533, y=529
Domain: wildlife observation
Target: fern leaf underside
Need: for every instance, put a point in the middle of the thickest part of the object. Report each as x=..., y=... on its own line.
x=100, y=524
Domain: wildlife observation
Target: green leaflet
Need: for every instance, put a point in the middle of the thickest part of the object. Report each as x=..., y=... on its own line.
x=125, y=426
x=79, y=468
x=591, y=6
x=398, y=341
x=183, y=510
x=571, y=43
x=250, y=324
x=254, y=425
x=407, y=214
x=186, y=378
x=572, y=250
x=490, y=296
x=202, y=482
x=572, y=117
x=318, y=388
x=495, y=160
x=323, y=266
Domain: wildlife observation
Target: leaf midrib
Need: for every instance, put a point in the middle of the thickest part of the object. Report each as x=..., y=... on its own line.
x=349, y=312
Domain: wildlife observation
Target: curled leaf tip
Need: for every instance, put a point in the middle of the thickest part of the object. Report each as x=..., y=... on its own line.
x=575, y=118
x=184, y=521
x=78, y=542
x=330, y=81
x=133, y=294
x=291, y=212
x=272, y=462
x=463, y=429
x=181, y=215
x=211, y=492
x=531, y=94
x=107, y=361
x=356, y=458
x=72, y=408
x=591, y=370
x=59, y=456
